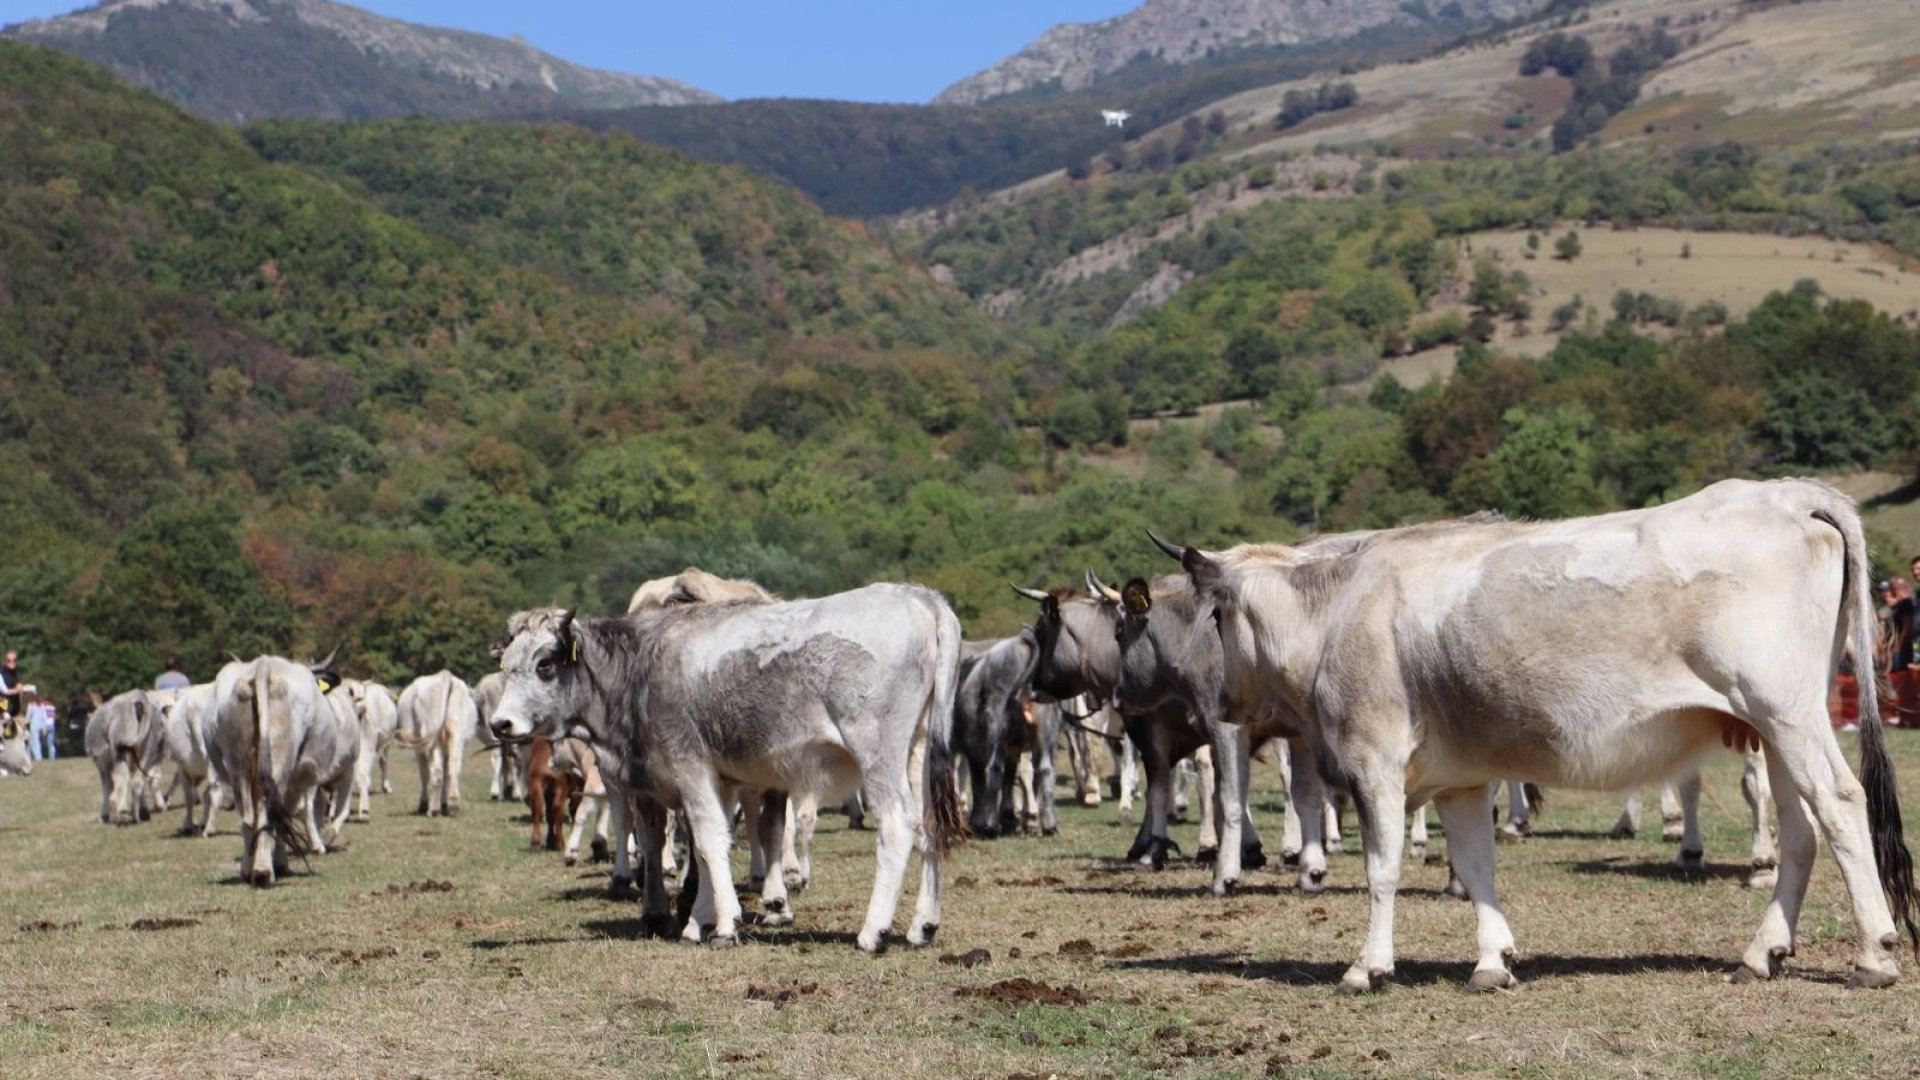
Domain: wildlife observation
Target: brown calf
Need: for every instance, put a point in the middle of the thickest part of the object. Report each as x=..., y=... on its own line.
x=553, y=794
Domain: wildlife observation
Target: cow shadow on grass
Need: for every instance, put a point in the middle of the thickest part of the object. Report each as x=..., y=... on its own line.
x=496, y=944
x=1659, y=870
x=639, y=929
x=1418, y=973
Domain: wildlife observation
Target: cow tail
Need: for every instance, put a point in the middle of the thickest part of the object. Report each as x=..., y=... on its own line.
x=1536, y=798
x=946, y=825
x=1859, y=627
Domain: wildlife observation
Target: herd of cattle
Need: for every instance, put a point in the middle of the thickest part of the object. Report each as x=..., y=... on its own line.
x=1393, y=670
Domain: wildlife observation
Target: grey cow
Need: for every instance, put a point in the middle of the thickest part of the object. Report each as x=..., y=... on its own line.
x=814, y=697
x=274, y=740
x=993, y=677
x=15, y=758
x=125, y=737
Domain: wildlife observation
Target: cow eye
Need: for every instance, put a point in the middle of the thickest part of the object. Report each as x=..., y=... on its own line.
x=546, y=669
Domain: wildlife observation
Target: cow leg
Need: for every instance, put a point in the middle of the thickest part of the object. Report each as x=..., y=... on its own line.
x=151, y=792
x=426, y=762
x=1380, y=800
x=589, y=806
x=1519, y=820
x=1229, y=745
x=1290, y=826
x=1023, y=786
x=342, y=796
x=211, y=798
x=498, y=761
x=806, y=816
x=560, y=789
x=1799, y=846
x=1309, y=792
x=1629, y=823
x=1252, y=855
x=105, y=766
x=125, y=798
x=1673, y=817
x=1128, y=764
x=1467, y=815
x=790, y=847
x=1330, y=811
x=651, y=818
x=1045, y=749
x=386, y=782
x=1086, y=786
x=1210, y=809
x=892, y=805
x=775, y=906
x=1693, y=850
x=363, y=778
x=620, y=881
x=456, y=751
x=712, y=828
x=752, y=805
x=1417, y=832
x=1817, y=771
x=190, y=800
x=1759, y=792
x=1185, y=778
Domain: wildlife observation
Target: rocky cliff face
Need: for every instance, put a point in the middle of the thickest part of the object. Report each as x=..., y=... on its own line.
x=1181, y=31
x=239, y=60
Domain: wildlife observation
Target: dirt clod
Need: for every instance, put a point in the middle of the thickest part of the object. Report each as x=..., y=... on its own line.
x=972, y=958
x=169, y=922
x=48, y=926
x=415, y=888
x=1029, y=1038
x=778, y=997
x=1129, y=951
x=1024, y=991
x=1079, y=947
x=1321, y=1052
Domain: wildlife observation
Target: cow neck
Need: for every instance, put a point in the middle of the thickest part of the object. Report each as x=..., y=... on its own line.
x=1288, y=637
x=612, y=701
x=1093, y=679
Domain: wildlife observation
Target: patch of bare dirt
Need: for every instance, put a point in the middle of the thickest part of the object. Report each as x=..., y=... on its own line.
x=1079, y=948
x=48, y=926
x=414, y=888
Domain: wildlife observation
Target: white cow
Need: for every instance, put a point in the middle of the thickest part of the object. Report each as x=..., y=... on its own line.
x=1596, y=653
x=273, y=742
x=509, y=762
x=186, y=719
x=124, y=737
x=436, y=717
x=376, y=716
x=15, y=758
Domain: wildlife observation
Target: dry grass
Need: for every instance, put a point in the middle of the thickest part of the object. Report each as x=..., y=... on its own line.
x=1735, y=269
x=521, y=969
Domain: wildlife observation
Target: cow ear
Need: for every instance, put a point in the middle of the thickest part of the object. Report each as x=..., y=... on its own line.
x=569, y=641
x=1135, y=597
x=1050, y=608
x=1206, y=573
x=497, y=648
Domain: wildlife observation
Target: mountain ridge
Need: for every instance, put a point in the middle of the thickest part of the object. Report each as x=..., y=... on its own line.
x=1076, y=55
x=332, y=60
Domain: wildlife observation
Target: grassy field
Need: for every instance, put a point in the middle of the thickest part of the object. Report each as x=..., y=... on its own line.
x=443, y=948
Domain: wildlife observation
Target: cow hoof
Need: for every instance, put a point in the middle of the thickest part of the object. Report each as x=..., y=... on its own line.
x=1621, y=832
x=796, y=883
x=1455, y=889
x=772, y=917
x=722, y=941
x=1672, y=834
x=1334, y=848
x=363, y=817
x=1434, y=858
x=1049, y=830
x=493, y=796
x=1126, y=817
x=385, y=789
x=1487, y=980
x=1206, y=856
x=620, y=888
x=600, y=852
x=1090, y=801
x=872, y=944
x=756, y=884
x=1370, y=982
x=922, y=936
x=1764, y=875
x=1418, y=852
x=1252, y=857
x=1313, y=881
x=569, y=858
x=1690, y=864
x=1179, y=815
x=1290, y=858
x=1869, y=979
x=1508, y=833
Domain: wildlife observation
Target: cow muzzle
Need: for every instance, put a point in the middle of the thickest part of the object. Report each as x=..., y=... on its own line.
x=508, y=730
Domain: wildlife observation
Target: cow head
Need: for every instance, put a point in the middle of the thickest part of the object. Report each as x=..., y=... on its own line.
x=1075, y=634
x=1214, y=595
x=543, y=678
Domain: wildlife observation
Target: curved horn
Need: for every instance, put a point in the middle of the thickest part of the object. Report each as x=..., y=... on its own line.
x=1176, y=552
x=1100, y=590
x=328, y=662
x=1031, y=594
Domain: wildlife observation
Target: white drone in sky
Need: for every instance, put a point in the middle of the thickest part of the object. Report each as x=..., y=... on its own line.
x=1115, y=117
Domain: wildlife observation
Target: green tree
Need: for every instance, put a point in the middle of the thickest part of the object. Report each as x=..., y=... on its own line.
x=1567, y=248
x=1546, y=464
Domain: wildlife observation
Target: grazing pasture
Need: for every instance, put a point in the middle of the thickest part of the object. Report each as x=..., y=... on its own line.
x=442, y=948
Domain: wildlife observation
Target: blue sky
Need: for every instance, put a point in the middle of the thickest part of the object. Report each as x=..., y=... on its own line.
x=860, y=50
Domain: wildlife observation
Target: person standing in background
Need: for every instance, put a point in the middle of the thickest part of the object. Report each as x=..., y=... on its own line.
x=10, y=684
x=44, y=724
x=172, y=678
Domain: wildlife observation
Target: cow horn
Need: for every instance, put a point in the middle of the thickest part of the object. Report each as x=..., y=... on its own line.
x=1031, y=594
x=1100, y=590
x=1175, y=551
x=325, y=664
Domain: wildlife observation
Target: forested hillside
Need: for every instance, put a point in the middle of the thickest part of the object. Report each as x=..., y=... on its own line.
x=255, y=406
